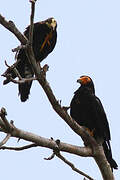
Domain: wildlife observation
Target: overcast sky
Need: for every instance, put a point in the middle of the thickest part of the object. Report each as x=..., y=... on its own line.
x=88, y=44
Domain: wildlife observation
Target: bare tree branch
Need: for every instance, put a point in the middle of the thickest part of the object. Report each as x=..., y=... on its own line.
x=51, y=157
x=103, y=164
x=11, y=27
x=72, y=166
x=23, y=80
x=68, y=163
x=5, y=140
x=48, y=143
x=19, y=47
x=13, y=67
x=3, y=113
x=31, y=22
x=18, y=148
x=51, y=144
x=57, y=153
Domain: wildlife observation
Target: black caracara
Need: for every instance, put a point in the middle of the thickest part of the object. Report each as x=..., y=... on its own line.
x=87, y=110
x=44, y=40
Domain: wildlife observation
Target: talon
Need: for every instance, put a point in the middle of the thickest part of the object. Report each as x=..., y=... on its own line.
x=90, y=132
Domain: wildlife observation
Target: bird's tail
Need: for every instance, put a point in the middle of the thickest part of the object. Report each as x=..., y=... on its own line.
x=25, y=71
x=24, y=88
x=108, y=154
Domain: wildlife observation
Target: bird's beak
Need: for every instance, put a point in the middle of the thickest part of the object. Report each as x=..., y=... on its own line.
x=79, y=81
x=53, y=24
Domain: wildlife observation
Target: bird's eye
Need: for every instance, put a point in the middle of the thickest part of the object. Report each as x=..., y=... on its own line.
x=87, y=79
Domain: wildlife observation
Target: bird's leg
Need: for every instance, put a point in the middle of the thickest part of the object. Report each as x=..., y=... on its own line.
x=91, y=132
x=48, y=37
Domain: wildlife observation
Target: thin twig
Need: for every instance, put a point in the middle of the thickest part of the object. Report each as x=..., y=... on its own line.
x=31, y=22
x=19, y=48
x=29, y=50
x=19, y=148
x=44, y=69
x=23, y=80
x=16, y=72
x=5, y=140
x=11, y=27
x=68, y=163
x=72, y=166
x=3, y=113
x=13, y=67
x=51, y=157
x=66, y=108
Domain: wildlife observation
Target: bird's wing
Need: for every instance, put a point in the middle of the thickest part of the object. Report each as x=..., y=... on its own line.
x=101, y=119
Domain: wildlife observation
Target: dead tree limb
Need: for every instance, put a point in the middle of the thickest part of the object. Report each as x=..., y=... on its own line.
x=18, y=148
x=44, y=142
x=73, y=166
x=5, y=140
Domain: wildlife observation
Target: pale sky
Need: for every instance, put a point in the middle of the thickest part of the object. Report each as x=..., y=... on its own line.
x=88, y=44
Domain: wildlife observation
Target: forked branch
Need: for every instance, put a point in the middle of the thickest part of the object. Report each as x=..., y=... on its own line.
x=58, y=154
x=39, y=141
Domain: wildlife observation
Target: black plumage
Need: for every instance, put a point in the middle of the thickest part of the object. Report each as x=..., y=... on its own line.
x=87, y=110
x=44, y=40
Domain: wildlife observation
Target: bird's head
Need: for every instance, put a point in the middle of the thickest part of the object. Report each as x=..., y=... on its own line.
x=51, y=23
x=86, y=81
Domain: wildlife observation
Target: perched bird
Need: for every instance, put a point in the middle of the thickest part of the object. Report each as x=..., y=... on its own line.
x=44, y=40
x=87, y=110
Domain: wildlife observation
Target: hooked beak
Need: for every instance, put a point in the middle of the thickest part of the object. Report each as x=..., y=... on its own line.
x=79, y=81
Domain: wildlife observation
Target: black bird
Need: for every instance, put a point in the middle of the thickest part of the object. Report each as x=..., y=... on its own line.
x=44, y=40
x=87, y=110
